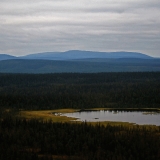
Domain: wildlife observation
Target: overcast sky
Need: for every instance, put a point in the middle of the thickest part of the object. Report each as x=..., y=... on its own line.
x=33, y=26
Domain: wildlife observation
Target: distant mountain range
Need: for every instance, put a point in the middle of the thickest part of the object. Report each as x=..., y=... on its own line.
x=78, y=61
x=77, y=54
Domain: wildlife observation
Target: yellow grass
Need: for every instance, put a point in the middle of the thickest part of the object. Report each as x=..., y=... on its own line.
x=48, y=115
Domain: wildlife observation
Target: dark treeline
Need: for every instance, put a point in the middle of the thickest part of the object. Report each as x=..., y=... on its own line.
x=32, y=140
x=80, y=90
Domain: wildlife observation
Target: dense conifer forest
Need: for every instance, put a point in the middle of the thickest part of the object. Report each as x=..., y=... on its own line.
x=34, y=139
x=75, y=90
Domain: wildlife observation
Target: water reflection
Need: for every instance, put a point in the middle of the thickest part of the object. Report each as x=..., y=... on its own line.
x=138, y=117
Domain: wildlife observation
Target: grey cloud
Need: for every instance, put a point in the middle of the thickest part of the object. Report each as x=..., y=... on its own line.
x=104, y=25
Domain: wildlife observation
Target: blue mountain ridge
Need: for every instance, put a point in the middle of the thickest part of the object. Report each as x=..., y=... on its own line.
x=79, y=61
x=78, y=54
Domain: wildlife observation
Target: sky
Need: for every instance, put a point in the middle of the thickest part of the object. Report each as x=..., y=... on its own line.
x=34, y=26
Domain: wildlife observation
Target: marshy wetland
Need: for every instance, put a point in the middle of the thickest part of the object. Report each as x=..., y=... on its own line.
x=110, y=116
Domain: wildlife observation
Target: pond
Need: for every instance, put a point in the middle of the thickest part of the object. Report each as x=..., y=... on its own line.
x=137, y=117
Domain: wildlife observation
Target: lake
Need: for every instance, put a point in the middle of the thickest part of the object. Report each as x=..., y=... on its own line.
x=138, y=117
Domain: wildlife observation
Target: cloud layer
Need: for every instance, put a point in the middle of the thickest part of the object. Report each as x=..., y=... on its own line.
x=28, y=26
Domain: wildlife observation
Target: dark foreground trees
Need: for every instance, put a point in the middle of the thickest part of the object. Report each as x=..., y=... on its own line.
x=23, y=139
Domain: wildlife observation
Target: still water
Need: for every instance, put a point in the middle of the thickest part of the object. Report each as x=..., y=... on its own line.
x=138, y=117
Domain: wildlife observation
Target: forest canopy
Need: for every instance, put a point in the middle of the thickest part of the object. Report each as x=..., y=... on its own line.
x=80, y=90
